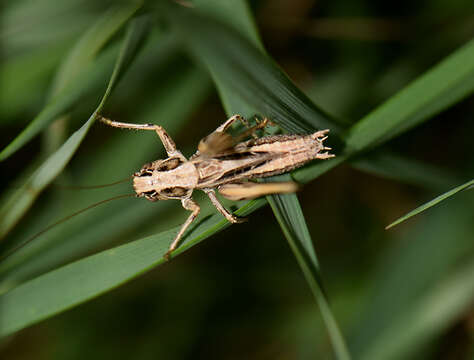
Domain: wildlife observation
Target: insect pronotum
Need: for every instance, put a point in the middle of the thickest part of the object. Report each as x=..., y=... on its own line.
x=226, y=163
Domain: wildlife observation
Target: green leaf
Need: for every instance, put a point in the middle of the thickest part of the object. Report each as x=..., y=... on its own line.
x=445, y=84
x=288, y=212
x=246, y=72
x=432, y=203
x=285, y=207
x=426, y=96
x=414, y=272
x=83, y=280
x=74, y=78
x=91, y=43
x=97, y=229
x=22, y=198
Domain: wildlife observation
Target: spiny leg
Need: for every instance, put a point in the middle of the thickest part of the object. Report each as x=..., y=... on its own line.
x=191, y=205
x=168, y=143
x=230, y=217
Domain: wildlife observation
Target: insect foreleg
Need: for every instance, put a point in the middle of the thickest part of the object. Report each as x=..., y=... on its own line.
x=167, y=141
x=188, y=204
x=230, y=217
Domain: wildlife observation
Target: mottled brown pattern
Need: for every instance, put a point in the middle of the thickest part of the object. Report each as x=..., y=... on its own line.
x=223, y=163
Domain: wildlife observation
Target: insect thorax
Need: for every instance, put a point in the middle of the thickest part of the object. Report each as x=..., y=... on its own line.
x=165, y=179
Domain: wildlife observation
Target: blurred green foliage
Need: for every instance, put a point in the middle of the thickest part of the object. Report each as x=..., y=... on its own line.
x=399, y=294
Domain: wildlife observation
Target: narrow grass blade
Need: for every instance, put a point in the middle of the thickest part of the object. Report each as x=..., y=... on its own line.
x=247, y=72
x=285, y=207
x=408, y=271
x=445, y=84
x=432, y=203
x=91, y=43
x=73, y=78
x=23, y=197
x=102, y=227
x=288, y=212
x=83, y=280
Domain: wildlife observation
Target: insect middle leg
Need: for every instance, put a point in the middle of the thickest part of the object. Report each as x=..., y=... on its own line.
x=229, y=216
x=167, y=141
x=188, y=204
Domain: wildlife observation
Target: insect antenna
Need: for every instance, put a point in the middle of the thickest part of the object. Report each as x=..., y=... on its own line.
x=79, y=187
x=60, y=221
x=87, y=187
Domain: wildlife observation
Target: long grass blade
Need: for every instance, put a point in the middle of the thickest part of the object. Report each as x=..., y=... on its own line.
x=445, y=84
x=432, y=203
x=288, y=212
x=247, y=72
x=73, y=77
x=285, y=207
x=22, y=199
x=71, y=285
x=102, y=227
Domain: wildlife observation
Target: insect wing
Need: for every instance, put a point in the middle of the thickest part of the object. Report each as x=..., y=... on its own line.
x=216, y=143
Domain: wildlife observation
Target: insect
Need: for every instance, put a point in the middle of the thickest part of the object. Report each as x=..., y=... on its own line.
x=228, y=164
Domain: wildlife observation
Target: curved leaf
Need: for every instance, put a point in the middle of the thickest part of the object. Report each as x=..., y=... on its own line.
x=97, y=229
x=74, y=77
x=288, y=212
x=23, y=197
x=285, y=207
x=247, y=73
x=445, y=84
x=73, y=284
